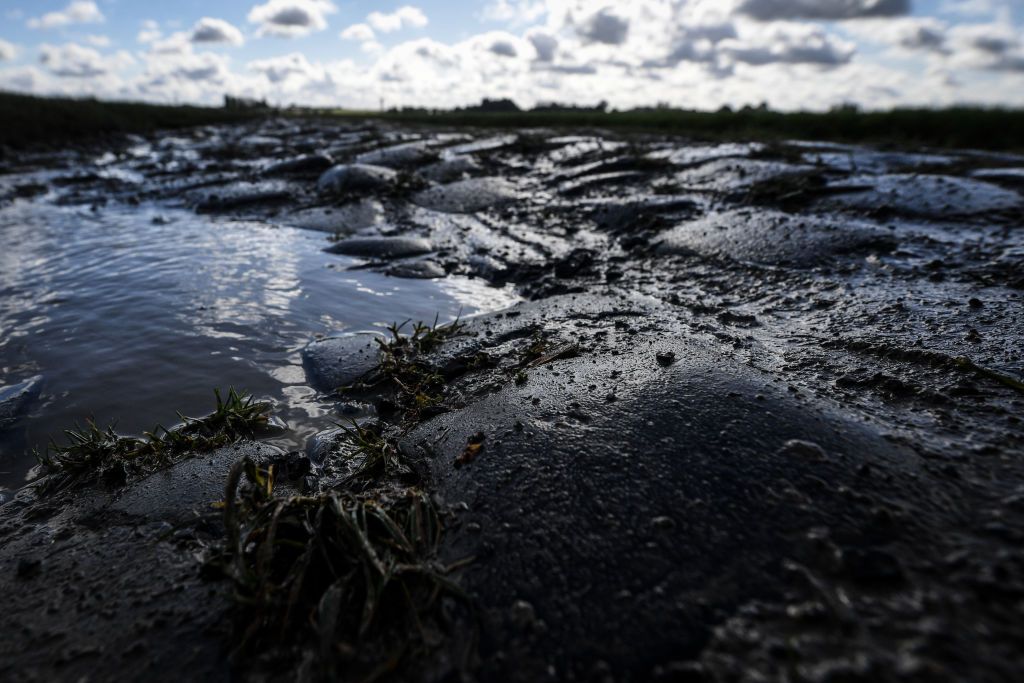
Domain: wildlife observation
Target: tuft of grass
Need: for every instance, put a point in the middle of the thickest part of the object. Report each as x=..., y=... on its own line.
x=380, y=453
x=419, y=385
x=537, y=348
x=355, y=575
x=101, y=454
x=424, y=338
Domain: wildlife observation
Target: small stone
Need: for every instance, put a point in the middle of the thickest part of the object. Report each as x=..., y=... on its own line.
x=804, y=449
x=523, y=615
x=663, y=523
x=666, y=358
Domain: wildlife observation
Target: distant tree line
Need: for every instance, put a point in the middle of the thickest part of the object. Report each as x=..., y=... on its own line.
x=244, y=103
x=508, y=106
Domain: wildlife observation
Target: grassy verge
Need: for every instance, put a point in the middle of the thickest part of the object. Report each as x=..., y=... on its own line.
x=27, y=120
x=355, y=576
x=347, y=579
x=93, y=454
x=957, y=127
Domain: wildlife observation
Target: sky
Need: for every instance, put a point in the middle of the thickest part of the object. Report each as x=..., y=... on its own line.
x=699, y=54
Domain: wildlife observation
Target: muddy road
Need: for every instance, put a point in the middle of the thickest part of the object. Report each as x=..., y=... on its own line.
x=718, y=412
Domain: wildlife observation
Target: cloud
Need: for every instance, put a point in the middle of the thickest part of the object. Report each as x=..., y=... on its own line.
x=514, y=11
x=78, y=12
x=177, y=43
x=7, y=50
x=75, y=61
x=291, y=18
x=149, y=33
x=24, y=79
x=503, y=48
x=604, y=26
x=992, y=47
x=689, y=53
x=403, y=17
x=98, y=41
x=280, y=69
x=189, y=77
x=773, y=10
x=968, y=8
x=921, y=34
x=360, y=32
x=209, y=30
x=789, y=44
x=204, y=66
x=545, y=44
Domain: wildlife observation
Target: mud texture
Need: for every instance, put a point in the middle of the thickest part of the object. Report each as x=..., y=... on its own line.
x=757, y=418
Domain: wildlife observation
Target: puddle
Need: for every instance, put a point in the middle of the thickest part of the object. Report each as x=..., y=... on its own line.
x=133, y=313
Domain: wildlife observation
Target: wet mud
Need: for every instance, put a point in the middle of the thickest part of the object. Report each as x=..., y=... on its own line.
x=758, y=417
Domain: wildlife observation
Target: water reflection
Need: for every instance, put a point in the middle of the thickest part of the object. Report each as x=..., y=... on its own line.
x=131, y=314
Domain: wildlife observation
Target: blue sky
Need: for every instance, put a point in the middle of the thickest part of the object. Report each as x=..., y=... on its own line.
x=697, y=53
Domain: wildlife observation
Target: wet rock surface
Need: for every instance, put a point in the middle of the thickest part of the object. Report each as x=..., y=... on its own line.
x=775, y=238
x=758, y=419
x=339, y=361
x=16, y=399
x=467, y=196
x=354, y=178
x=381, y=247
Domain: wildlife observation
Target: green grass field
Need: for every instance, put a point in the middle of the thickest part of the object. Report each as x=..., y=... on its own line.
x=26, y=120
x=961, y=127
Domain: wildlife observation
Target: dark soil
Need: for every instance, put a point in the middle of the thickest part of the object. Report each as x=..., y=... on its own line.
x=757, y=418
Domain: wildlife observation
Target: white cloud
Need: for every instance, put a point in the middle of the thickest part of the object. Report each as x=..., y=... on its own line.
x=905, y=35
x=514, y=11
x=360, y=32
x=7, y=50
x=994, y=47
x=604, y=26
x=98, y=41
x=178, y=43
x=78, y=12
x=968, y=8
x=545, y=44
x=404, y=17
x=291, y=18
x=210, y=30
x=291, y=66
x=204, y=66
x=789, y=44
x=75, y=61
x=149, y=33
x=771, y=10
x=23, y=79
x=191, y=77
x=689, y=53
x=921, y=34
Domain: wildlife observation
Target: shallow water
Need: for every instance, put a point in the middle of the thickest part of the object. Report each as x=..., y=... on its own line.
x=133, y=313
